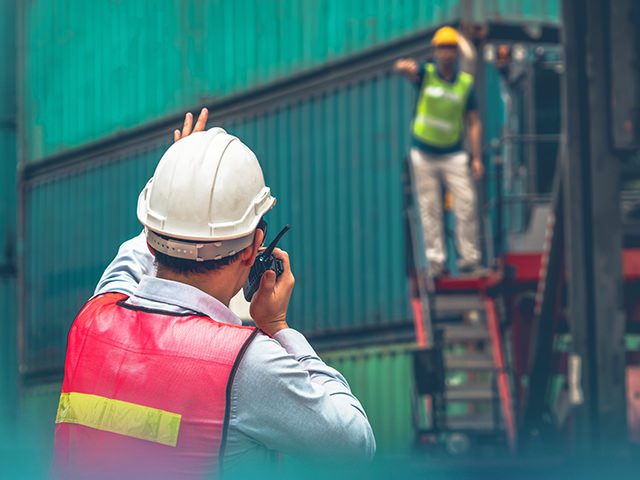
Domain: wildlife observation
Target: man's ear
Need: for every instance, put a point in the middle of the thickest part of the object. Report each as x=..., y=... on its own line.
x=151, y=250
x=248, y=255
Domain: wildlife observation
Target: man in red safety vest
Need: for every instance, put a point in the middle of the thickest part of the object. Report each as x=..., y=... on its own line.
x=161, y=379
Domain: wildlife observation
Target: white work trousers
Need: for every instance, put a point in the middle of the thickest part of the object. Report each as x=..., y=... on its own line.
x=453, y=169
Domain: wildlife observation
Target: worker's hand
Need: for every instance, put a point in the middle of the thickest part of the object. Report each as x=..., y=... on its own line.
x=406, y=66
x=188, y=123
x=477, y=168
x=270, y=302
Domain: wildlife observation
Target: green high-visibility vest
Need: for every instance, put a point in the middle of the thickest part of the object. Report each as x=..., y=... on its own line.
x=440, y=113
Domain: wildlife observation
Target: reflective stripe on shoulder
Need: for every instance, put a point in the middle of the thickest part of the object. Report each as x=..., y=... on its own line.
x=119, y=417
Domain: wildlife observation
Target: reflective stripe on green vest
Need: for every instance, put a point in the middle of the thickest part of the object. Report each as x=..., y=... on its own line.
x=441, y=108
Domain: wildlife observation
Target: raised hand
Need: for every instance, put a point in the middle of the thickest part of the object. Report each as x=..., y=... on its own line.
x=188, y=123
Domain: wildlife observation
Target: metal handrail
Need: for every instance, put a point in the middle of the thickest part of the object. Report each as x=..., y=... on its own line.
x=527, y=198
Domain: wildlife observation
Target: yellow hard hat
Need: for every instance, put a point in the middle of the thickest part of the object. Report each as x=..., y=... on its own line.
x=445, y=36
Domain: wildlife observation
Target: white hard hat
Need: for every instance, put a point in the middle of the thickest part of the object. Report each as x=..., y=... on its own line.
x=205, y=198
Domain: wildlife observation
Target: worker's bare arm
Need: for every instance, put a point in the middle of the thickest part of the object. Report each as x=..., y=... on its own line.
x=407, y=67
x=475, y=139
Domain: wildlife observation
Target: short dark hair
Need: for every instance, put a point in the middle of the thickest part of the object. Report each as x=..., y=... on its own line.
x=184, y=266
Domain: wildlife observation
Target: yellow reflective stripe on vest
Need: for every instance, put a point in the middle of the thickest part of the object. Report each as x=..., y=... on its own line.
x=120, y=417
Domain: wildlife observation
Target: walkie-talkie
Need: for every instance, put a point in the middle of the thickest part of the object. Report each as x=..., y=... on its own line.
x=264, y=261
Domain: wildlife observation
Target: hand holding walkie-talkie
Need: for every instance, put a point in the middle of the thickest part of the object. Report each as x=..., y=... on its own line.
x=264, y=261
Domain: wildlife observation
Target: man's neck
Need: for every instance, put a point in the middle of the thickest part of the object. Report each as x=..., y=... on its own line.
x=214, y=283
x=446, y=72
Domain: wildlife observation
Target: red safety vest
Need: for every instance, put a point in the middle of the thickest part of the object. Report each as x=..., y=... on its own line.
x=145, y=393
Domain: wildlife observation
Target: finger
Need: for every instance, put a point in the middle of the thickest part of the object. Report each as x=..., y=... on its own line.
x=267, y=284
x=176, y=135
x=284, y=256
x=186, y=127
x=202, y=120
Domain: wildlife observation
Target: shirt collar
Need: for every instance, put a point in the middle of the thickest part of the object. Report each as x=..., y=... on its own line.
x=185, y=296
x=454, y=77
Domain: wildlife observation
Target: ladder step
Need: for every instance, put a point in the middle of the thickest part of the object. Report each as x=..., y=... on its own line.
x=464, y=332
x=469, y=393
x=450, y=304
x=468, y=362
x=471, y=422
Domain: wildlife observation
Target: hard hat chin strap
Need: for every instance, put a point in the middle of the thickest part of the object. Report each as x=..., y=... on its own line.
x=198, y=251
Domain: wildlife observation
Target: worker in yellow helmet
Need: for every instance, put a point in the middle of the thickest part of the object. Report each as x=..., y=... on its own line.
x=446, y=103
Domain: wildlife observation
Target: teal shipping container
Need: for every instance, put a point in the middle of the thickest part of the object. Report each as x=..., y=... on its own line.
x=382, y=379
x=91, y=70
x=26, y=451
x=8, y=190
x=332, y=144
x=334, y=161
x=7, y=135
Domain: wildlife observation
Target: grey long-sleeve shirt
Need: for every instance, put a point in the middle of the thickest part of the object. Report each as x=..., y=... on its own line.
x=284, y=397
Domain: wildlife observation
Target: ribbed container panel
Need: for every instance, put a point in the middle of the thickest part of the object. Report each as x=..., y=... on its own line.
x=7, y=129
x=33, y=441
x=74, y=226
x=8, y=365
x=93, y=69
x=512, y=11
x=334, y=162
x=382, y=379
x=7, y=352
x=7, y=196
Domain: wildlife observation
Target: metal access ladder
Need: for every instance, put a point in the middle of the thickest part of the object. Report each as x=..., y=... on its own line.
x=461, y=373
x=476, y=373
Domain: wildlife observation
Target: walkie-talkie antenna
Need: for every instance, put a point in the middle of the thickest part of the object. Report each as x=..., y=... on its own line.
x=275, y=241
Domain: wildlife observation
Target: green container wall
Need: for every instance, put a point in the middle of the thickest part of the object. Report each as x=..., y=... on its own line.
x=7, y=354
x=73, y=229
x=333, y=161
x=7, y=129
x=27, y=451
x=7, y=211
x=93, y=69
x=382, y=379
x=7, y=192
x=515, y=11
x=37, y=410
